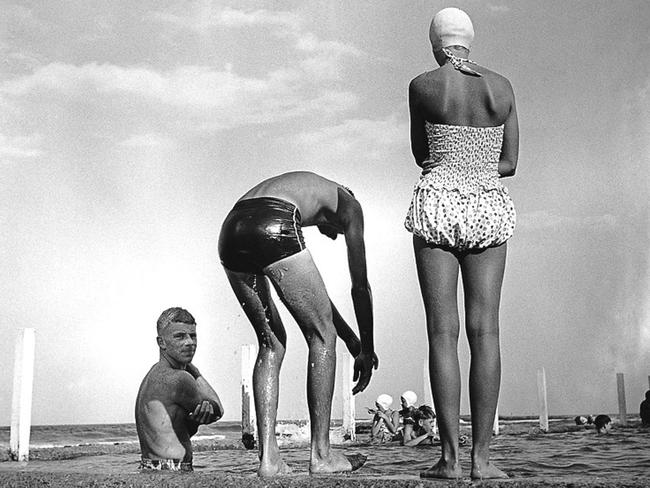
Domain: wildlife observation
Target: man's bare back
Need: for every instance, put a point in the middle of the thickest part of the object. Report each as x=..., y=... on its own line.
x=311, y=193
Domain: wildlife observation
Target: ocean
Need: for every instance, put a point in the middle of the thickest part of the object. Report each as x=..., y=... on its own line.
x=567, y=452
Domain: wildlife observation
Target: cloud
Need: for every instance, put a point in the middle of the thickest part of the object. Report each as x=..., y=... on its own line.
x=373, y=139
x=19, y=147
x=545, y=220
x=201, y=16
x=323, y=57
x=211, y=98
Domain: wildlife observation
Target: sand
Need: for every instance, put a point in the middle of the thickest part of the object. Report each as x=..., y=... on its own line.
x=196, y=480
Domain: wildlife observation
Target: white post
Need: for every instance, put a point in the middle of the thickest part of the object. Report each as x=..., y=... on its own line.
x=622, y=410
x=349, y=407
x=495, y=426
x=21, y=402
x=426, y=388
x=541, y=398
x=248, y=423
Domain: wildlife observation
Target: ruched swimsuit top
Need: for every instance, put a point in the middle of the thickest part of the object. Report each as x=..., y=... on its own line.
x=464, y=158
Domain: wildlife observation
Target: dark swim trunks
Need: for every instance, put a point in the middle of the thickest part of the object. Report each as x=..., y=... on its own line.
x=258, y=232
x=165, y=465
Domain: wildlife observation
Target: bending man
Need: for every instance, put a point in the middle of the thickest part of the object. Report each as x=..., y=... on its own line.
x=261, y=238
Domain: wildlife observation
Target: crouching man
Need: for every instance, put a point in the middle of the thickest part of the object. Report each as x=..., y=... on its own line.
x=174, y=399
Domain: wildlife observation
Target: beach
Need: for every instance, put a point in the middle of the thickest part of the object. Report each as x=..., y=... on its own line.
x=567, y=455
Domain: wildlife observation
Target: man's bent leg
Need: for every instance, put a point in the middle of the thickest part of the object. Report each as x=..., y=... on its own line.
x=301, y=288
x=253, y=293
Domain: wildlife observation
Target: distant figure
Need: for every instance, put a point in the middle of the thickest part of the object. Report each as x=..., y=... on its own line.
x=261, y=240
x=422, y=429
x=385, y=421
x=580, y=420
x=174, y=398
x=464, y=137
x=603, y=424
x=408, y=401
x=644, y=410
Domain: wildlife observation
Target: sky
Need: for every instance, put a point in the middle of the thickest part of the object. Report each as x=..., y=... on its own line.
x=129, y=129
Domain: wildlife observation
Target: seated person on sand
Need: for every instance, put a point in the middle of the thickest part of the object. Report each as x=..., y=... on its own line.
x=174, y=399
x=422, y=428
x=603, y=424
x=644, y=410
x=385, y=421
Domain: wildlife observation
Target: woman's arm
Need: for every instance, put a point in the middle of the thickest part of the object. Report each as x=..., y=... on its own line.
x=419, y=144
x=510, y=147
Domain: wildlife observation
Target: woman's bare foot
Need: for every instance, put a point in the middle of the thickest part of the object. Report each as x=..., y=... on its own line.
x=337, y=463
x=487, y=472
x=443, y=470
x=276, y=468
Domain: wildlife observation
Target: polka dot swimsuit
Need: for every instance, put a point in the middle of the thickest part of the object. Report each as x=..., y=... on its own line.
x=460, y=203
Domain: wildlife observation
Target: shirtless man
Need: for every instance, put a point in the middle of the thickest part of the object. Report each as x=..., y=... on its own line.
x=261, y=238
x=174, y=399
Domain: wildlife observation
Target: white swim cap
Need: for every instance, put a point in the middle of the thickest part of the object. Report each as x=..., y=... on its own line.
x=384, y=400
x=451, y=27
x=410, y=398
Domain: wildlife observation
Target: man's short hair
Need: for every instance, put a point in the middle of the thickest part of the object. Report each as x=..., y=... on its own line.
x=601, y=421
x=171, y=315
x=423, y=412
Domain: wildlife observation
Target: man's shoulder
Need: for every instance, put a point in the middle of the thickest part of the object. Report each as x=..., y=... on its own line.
x=164, y=377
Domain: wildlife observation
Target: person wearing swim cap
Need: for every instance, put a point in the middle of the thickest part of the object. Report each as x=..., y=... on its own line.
x=385, y=421
x=464, y=138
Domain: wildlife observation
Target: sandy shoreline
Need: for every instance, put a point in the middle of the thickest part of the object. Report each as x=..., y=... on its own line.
x=27, y=479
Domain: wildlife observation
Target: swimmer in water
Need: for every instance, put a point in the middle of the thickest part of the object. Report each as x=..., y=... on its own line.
x=260, y=242
x=174, y=398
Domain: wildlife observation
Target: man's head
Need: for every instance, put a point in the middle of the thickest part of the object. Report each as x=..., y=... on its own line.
x=424, y=417
x=603, y=423
x=329, y=230
x=647, y=395
x=177, y=336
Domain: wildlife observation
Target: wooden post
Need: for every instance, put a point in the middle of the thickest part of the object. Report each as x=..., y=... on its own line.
x=248, y=424
x=21, y=402
x=495, y=426
x=541, y=399
x=622, y=411
x=349, y=407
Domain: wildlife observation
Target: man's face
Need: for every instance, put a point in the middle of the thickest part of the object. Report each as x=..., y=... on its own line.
x=427, y=425
x=178, y=340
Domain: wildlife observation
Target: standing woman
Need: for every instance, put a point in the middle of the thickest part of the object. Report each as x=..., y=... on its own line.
x=464, y=136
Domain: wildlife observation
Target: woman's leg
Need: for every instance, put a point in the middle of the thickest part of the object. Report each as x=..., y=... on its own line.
x=301, y=288
x=482, y=278
x=253, y=293
x=438, y=276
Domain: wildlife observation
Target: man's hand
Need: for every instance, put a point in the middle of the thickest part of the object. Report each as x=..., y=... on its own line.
x=363, y=365
x=203, y=413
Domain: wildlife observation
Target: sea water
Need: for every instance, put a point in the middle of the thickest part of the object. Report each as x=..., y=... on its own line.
x=521, y=450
